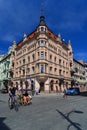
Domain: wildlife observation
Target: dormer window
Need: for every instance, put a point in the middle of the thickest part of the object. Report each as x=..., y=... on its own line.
x=71, y=64
x=41, y=43
x=42, y=29
x=70, y=53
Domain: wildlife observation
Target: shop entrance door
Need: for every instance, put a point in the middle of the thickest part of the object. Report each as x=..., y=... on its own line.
x=41, y=86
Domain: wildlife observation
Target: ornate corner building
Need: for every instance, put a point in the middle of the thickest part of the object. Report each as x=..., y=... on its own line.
x=42, y=60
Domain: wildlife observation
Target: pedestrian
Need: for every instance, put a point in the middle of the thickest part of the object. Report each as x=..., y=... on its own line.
x=64, y=95
x=37, y=90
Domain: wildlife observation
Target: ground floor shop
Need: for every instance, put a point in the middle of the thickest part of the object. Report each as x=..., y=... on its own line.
x=45, y=84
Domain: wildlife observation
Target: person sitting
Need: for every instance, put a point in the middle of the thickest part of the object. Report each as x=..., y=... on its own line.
x=26, y=98
x=20, y=97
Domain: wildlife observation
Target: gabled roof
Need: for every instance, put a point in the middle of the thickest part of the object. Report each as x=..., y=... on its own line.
x=30, y=36
x=49, y=33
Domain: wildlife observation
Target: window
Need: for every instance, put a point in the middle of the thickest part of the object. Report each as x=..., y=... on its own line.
x=63, y=63
x=28, y=58
x=38, y=53
x=42, y=69
x=41, y=43
x=17, y=63
x=70, y=64
x=23, y=61
x=50, y=68
x=55, y=69
x=23, y=72
x=50, y=57
x=42, y=29
x=42, y=55
x=45, y=54
x=33, y=68
x=63, y=72
x=33, y=56
x=70, y=53
x=59, y=51
x=20, y=71
x=24, y=51
x=16, y=73
x=54, y=59
x=59, y=61
x=20, y=62
x=12, y=64
x=60, y=72
x=28, y=70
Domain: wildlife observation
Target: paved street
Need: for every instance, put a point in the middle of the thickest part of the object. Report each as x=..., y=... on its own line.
x=48, y=112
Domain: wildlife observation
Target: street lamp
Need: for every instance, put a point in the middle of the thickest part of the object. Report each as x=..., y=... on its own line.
x=6, y=80
x=26, y=84
x=61, y=80
x=73, y=82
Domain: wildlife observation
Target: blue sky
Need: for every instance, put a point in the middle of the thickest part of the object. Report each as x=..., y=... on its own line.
x=69, y=18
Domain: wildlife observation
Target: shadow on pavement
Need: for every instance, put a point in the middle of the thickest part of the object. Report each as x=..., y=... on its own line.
x=2, y=101
x=72, y=123
x=84, y=93
x=3, y=126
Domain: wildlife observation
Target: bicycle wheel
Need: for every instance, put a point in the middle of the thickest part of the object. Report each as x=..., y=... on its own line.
x=15, y=105
x=9, y=105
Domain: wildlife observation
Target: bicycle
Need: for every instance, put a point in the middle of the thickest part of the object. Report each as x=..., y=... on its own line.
x=13, y=104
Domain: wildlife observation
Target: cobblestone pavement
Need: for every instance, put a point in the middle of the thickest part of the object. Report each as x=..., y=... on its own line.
x=47, y=112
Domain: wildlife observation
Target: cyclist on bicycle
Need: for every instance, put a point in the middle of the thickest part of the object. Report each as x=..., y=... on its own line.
x=12, y=93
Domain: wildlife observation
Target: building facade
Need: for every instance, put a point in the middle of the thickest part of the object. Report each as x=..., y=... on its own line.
x=79, y=73
x=42, y=60
x=6, y=73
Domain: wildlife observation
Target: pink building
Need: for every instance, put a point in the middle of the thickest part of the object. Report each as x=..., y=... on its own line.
x=43, y=60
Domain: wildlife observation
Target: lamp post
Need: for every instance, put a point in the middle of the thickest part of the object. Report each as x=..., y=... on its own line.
x=26, y=82
x=61, y=81
x=73, y=82
x=7, y=74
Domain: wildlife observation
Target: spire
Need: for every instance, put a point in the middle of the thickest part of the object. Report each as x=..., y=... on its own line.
x=42, y=18
x=42, y=8
x=69, y=42
x=25, y=37
x=59, y=36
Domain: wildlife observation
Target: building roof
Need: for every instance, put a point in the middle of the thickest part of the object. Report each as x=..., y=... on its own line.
x=49, y=33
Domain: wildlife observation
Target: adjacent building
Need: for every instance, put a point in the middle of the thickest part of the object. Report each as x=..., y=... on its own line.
x=79, y=73
x=6, y=73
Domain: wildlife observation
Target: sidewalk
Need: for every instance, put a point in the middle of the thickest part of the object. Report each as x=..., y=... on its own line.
x=49, y=94
x=4, y=97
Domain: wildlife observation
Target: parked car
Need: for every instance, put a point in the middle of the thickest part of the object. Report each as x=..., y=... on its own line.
x=73, y=91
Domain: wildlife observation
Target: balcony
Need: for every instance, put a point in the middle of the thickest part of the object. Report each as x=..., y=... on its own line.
x=61, y=77
x=72, y=71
